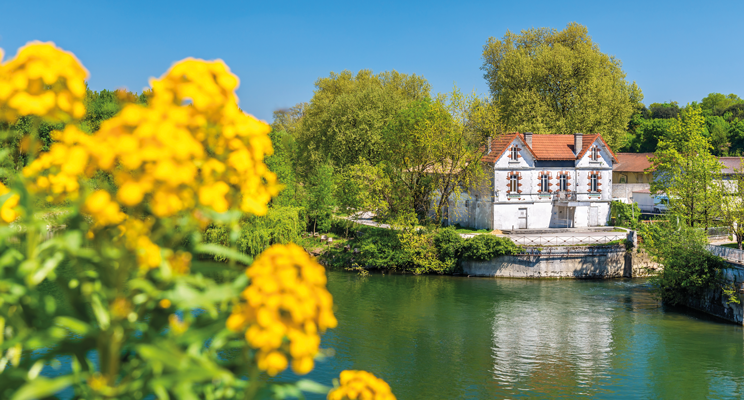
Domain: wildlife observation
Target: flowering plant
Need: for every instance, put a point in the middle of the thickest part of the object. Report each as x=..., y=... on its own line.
x=104, y=289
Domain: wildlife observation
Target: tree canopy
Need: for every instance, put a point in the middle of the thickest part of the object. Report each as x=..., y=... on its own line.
x=344, y=120
x=559, y=82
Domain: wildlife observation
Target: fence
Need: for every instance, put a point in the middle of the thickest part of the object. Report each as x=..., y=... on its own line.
x=565, y=240
x=719, y=232
x=727, y=253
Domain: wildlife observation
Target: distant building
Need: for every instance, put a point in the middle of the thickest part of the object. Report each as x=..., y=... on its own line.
x=629, y=175
x=540, y=181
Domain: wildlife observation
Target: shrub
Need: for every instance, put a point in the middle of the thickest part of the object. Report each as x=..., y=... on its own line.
x=449, y=245
x=626, y=215
x=487, y=247
x=281, y=225
x=689, y=268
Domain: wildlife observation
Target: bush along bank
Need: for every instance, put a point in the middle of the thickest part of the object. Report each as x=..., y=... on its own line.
x=690, y=270
x=280, y=225
x=412, y=249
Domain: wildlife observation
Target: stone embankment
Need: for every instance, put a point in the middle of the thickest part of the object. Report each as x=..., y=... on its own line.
x=714, y=301
x=566, y=262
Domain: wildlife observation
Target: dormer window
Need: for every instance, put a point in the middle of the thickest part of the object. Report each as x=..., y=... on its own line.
x=595, y=153
x=514, y=153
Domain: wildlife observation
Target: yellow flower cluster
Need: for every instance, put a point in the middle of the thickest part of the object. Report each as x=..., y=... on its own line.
x=361, y=385
x=171, y=153
x=8, y=211
x=286, y=306
x=103, y=210
x=137, y=239
x=190, y=147
x=60, y=169
x=42, y=80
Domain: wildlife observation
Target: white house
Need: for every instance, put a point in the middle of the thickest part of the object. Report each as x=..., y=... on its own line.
x=540, y=181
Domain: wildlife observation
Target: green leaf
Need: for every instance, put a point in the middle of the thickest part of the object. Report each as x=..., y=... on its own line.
x=100, y=312
x=217, y=250
x=309, y=386
x=42, y=387
x=75, y=325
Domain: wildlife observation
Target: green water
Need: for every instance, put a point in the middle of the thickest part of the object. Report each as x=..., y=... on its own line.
x=437, y=337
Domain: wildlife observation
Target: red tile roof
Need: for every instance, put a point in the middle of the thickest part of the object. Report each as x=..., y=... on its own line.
x=545, y=147
x=633, y=162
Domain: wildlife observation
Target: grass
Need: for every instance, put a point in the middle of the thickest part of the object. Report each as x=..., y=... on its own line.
x=730, y=245
x=460, y=229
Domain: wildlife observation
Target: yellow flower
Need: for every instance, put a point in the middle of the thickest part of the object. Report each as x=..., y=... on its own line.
x=177, y=326
x=164, y=303
x=42, y=80
x=130, y=193
x=103, y=210
x=361, y=385
x=285, y=307
x=8, y=211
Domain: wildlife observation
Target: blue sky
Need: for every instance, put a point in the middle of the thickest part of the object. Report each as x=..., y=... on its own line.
x=674, y=50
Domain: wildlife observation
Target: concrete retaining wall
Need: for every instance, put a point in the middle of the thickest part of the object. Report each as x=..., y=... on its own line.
x=555, y=262
x=566, y=262
x=715, y=302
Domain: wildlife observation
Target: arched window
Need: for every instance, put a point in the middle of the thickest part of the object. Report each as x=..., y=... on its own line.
x=544, y=183
x=563, y=182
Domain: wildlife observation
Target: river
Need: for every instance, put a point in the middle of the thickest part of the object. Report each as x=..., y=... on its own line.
x=441, y=337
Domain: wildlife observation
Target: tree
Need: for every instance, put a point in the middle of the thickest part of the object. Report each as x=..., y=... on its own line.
x=664, y=110
x=687, y=172
x=732, y=205
x=321, y=201
x=719, y=134
x=644, y=134
x=365, y=188
x=432, y=149
x=546, y=81
x=344, y=120
x=716, y=103
x=288, y=119
x=282, y=164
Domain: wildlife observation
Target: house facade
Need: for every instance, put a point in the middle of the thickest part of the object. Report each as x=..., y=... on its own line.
x=540, y=181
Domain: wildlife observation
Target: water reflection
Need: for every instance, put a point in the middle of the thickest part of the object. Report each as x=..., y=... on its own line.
x=553, y=341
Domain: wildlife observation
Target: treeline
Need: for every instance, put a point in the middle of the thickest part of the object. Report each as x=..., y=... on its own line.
x=724, y=125
x=378, y=143
x=99, y=106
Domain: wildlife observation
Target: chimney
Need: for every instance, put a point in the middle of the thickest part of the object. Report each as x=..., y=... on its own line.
x=528, y=139
x=578, y=143
x=488, y=143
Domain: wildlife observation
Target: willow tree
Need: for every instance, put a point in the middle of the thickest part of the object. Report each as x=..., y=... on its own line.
x=559, y=82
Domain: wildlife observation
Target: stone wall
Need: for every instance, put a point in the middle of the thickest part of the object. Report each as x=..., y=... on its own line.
x=566, y=262
x=716, y=303
x=554, y=262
